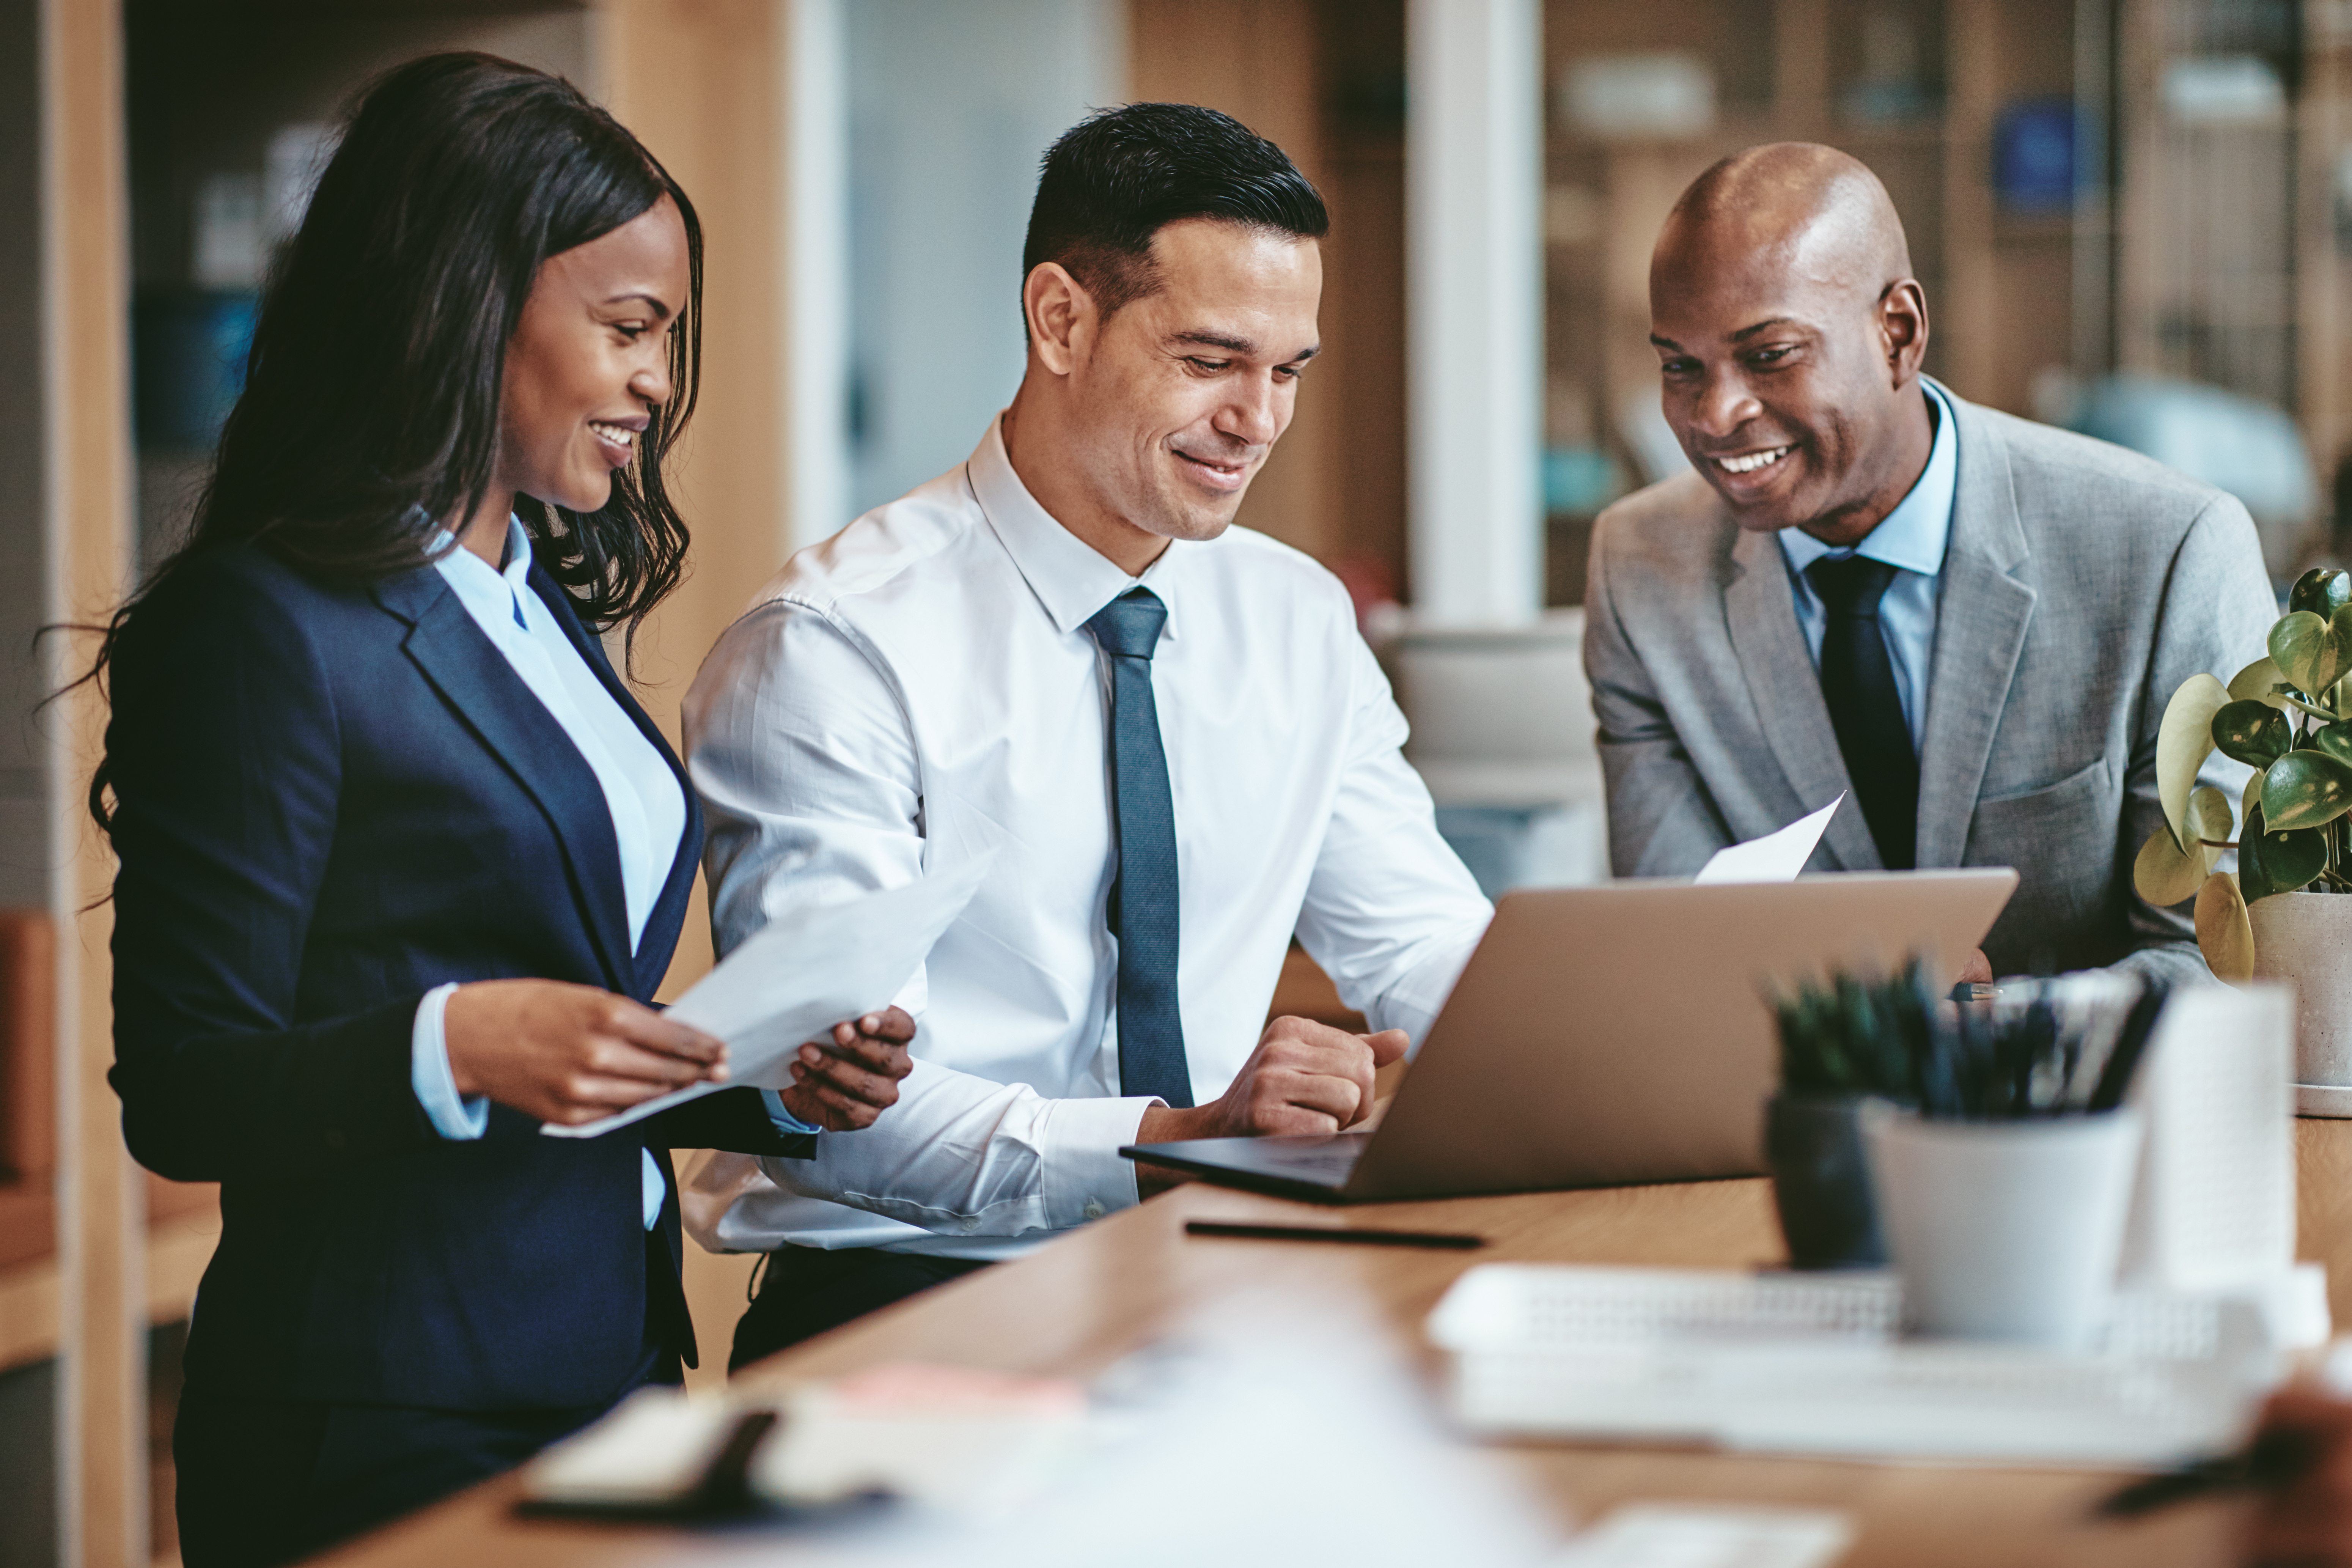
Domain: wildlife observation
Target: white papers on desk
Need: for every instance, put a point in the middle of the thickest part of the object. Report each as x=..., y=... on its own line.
x=800, y=975
x=1710, y=1535
x=1817, y=1364
x=1775, y=858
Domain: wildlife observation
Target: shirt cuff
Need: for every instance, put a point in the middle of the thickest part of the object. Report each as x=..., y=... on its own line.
x=1084, y=1176
x=784, y=1120
x=461, y=1120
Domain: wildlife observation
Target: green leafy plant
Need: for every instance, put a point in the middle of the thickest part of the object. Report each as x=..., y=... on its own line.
x=2288, y=716
x=1853, y=1038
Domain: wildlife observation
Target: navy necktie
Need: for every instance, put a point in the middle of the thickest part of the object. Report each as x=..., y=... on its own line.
x=1866, y=707
x=1144, y=896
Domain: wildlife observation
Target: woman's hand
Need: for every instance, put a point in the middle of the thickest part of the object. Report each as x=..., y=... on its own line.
x=844, y=1085
x=570, y=1054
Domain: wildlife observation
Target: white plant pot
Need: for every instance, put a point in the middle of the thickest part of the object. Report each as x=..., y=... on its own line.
x=2306, y=939
x=2004, y=1230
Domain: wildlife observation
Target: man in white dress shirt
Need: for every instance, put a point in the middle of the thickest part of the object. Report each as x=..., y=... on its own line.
x=1167, y=731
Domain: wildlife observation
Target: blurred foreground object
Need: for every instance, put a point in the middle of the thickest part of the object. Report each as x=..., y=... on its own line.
x=1280, y=1428
x=1818, y=1364
x=2306, y=1518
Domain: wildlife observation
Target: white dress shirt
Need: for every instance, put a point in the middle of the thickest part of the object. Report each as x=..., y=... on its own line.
x=920, y=690
x=1911, y=539
x=649, y=808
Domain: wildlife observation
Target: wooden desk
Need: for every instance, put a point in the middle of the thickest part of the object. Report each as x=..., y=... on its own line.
x=1081, y=1303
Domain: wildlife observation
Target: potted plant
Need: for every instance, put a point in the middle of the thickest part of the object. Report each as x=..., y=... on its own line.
x=2288, y=716
x=2001, y=1180
x=1841, y=1044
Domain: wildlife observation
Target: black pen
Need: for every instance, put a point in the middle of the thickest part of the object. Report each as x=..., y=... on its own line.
x=2270, y=1459
x=1446, y=1239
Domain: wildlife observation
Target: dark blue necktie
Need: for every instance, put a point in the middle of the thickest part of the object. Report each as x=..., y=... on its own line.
x=1144, y=896
x=1866, y=707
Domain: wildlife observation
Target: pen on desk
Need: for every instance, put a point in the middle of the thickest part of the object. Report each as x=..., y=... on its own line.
x=1443, y=1239
x=2270, y=1459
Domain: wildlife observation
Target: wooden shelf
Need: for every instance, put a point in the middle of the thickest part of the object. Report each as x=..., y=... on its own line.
x=28, y=1223
x=32, y=1325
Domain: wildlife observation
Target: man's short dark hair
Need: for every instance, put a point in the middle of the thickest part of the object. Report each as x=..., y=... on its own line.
x=1119, y=175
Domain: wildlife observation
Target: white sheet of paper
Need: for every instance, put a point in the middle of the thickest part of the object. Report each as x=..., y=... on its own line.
x=800, y=975
x=1710, y=1535
x=1775, y=858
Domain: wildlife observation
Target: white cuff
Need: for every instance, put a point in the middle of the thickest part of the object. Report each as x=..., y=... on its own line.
x=1082, y=1174
x=429, y=1075
x=915, y=996
x=1413, y=1002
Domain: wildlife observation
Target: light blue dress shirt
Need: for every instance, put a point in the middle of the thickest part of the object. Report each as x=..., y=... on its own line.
x=647, y=806
x=1911, y=539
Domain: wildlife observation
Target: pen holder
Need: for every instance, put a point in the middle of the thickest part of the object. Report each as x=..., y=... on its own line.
x=2004, y=1230
x=1821, y=1181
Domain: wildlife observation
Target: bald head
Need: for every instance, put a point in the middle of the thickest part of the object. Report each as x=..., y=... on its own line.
x=1814, y=210
x=1790, y=334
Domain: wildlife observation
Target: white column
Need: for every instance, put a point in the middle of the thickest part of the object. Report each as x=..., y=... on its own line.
x=817, y=272
x=1473, y=154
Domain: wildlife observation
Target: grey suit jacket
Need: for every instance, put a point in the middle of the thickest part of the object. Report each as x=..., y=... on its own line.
x=2080, y=586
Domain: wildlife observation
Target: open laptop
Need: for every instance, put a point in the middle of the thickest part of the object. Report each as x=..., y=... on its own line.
x=1614, y=1035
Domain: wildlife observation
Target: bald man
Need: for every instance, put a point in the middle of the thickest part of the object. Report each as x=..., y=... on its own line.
x=1969, y=622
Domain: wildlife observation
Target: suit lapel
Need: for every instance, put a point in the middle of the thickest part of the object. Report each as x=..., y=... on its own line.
x=1786, y=692
x=1981, y=615
x=668, y=913
x=474, y=678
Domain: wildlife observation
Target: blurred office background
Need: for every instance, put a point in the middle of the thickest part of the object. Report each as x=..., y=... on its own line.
x=2132, y=216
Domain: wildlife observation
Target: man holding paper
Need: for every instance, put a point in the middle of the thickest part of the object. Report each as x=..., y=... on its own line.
x=1971, y=622
x=1167, y=731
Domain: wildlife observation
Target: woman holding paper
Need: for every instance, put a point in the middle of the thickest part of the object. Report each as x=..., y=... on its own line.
x=402, y=861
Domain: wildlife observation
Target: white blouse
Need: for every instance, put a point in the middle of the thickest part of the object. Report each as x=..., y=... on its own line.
x=647, y=806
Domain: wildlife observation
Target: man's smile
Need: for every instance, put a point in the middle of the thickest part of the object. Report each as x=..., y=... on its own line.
x=1749, y=462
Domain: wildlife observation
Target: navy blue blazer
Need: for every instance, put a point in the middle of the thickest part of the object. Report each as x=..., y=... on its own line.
x=331, y=800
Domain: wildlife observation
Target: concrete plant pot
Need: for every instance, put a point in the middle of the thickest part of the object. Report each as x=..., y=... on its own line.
x=2306, y=939
x=1820, y=1182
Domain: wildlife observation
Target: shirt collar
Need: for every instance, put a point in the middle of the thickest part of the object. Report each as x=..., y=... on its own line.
x=479, y=584
x=1070, y=577
x=1911, y=536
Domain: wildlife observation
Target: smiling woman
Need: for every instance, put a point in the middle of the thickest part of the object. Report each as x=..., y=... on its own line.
x=372, y=412
x=587, y=367
x=400, y=859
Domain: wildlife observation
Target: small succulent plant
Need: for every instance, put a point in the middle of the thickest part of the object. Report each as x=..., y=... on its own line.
x=2288, y=716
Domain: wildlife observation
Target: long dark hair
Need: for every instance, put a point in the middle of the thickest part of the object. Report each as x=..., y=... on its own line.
x=369, y=415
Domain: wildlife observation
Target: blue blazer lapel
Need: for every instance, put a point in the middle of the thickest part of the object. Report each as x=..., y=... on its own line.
x=470, y=673
x=668, y=914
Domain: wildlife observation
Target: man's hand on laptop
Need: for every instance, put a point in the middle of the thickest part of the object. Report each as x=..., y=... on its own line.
x=843, y=1083
x=1305, y=1078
